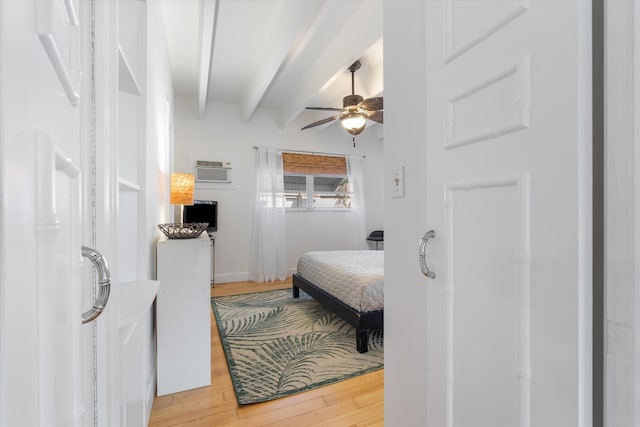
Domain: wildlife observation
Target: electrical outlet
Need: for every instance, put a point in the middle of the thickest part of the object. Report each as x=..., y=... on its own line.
x=397, y=183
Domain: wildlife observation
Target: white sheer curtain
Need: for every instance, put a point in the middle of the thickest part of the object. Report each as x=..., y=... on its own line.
x=267, y=259
x=358, y=220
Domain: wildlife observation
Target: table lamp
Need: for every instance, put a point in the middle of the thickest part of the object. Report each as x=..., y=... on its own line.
x=182, y=185
x=182, y=190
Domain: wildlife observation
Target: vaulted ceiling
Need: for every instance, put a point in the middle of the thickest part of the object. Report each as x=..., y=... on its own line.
x=279, y=54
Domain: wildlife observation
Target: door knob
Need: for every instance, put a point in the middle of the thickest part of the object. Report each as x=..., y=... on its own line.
x=104, y=284
x=422, y=257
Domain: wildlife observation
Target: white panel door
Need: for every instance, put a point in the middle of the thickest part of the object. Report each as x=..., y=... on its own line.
x=508, y=196
x=46, y=352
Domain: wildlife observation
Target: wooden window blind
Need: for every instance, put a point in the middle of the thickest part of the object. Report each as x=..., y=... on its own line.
x=313, y=164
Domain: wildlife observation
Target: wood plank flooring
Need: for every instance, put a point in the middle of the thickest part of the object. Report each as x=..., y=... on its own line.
x=355, y=402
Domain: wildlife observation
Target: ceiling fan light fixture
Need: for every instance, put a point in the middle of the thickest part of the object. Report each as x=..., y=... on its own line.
x=354, y=123
x=355, y=110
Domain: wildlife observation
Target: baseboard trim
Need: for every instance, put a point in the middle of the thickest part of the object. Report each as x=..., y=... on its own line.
x=231, y=277
x=242, y=277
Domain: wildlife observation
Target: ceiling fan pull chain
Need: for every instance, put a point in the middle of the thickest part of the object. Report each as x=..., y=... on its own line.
x=354, y=142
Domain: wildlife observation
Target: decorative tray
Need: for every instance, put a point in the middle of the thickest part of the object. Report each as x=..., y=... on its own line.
x=183, y=231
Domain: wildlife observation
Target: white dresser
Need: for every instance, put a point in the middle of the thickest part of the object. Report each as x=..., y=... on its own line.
x=184, y=314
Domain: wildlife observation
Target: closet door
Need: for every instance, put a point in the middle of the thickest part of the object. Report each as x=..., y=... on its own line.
x=508, y=95
x=493, y=328
x=47, y=280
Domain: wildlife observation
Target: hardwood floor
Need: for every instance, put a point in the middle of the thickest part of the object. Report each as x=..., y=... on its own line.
x=355, y=402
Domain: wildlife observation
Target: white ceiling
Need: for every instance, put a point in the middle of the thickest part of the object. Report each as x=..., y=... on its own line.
x=279, y=54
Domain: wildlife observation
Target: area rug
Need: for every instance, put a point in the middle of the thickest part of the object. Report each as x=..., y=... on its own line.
x=277, y=345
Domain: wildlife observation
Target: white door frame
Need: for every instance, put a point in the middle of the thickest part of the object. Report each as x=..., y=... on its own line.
x=620, y=292
x=105, y=116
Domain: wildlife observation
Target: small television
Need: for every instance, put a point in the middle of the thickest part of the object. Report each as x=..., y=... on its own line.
x=202, y=211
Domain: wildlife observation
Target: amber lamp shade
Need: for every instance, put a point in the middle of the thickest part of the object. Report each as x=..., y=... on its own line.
x=182, y=185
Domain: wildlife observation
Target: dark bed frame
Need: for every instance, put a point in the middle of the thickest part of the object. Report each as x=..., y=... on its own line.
x=362, y=321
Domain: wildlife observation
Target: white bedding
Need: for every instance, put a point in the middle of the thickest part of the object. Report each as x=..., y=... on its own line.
x=354, y=277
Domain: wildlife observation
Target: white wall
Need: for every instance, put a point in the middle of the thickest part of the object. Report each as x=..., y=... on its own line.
x=159, y=98
x=221, y=135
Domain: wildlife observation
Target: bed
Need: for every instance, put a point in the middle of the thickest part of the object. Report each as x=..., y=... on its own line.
x=349, y=283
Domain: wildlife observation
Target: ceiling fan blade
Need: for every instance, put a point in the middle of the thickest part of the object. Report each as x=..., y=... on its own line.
x=324, y=108
x=372, y=104
x=376, y=117
x=321, y=122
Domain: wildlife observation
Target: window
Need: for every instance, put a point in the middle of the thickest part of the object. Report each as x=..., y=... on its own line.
x=314, y=182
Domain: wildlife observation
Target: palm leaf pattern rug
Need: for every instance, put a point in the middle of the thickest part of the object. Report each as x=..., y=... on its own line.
x=277, y=345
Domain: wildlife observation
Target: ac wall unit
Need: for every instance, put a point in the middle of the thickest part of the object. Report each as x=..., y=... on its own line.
x=208, y=171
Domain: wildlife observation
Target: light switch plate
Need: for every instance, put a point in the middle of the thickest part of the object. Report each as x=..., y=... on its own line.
x=397, y=181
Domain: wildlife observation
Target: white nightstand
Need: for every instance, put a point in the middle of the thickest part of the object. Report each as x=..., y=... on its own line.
x=184, y=314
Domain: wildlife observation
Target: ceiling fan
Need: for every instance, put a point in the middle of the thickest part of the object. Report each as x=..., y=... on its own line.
x=355, y=110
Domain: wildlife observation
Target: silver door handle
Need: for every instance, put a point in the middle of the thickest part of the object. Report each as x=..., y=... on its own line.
x=104, y=284
x=422, y=257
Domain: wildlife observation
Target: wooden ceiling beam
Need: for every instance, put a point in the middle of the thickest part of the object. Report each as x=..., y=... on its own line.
x=209, y=14
x=291, y=23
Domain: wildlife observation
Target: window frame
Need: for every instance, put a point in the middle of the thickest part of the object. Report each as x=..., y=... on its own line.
x=312, y=166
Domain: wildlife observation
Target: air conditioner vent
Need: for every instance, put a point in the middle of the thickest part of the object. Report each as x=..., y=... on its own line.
x=210, y=164
x=213, y=171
